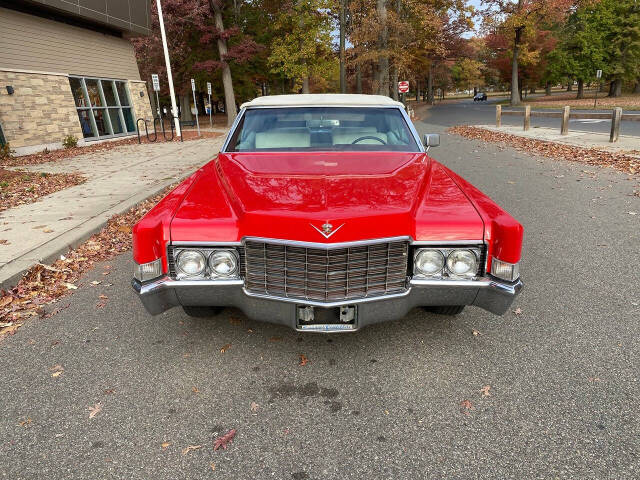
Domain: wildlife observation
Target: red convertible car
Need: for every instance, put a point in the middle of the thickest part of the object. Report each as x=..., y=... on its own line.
x=325, y=213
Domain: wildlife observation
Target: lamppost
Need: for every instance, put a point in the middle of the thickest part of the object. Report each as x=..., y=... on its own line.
x=172, y=93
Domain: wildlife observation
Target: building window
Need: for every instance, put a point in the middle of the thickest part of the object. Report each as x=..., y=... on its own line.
x=104, y=107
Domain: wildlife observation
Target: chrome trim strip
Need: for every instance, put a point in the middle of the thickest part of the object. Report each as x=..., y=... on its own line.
x=481, y=282
x=168, y=282
x=315, y=303
x=325, y=246
x=204, y=244
x=445, y=243
x=405, y=115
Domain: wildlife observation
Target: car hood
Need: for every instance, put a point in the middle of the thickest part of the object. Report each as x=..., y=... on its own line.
x=291, y=195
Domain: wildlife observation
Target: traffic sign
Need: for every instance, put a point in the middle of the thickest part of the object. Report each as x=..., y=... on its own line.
x=598, y=73
x=156, y=82
x=193, y=85
x=403, y=86
x=209, y=88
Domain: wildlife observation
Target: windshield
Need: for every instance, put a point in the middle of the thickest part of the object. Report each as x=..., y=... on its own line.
x=316, y=129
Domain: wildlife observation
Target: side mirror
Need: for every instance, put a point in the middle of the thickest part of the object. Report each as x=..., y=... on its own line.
x=431, y=139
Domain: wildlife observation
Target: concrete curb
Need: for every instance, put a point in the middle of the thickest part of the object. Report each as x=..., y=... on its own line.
x=13, y=271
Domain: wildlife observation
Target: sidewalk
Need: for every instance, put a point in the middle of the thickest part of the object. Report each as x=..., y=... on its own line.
x=116, y=181
x=600, y=141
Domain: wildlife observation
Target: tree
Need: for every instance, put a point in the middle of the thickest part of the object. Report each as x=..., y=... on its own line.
x=520, y=20
x=301, y=46
x=467, y=73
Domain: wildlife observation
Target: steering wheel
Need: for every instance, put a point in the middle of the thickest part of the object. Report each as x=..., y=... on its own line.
x=369, y=137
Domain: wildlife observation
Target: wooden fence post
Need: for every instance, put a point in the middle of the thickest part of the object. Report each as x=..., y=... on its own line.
x=498, y=115
x=527, y=117
x=564, y=129
x=616, y=116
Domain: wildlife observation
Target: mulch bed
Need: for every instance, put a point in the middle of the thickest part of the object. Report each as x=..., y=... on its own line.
x=589, y=156
x=20, y=188
x=55, y=155
x=44, y=285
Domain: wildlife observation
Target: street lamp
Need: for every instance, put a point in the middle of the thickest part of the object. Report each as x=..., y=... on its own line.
x=174, y=106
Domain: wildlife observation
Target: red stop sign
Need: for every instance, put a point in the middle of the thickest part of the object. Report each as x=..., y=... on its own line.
x=403, y=87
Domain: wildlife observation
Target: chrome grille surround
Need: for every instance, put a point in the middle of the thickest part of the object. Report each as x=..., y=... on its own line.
x=326, y=273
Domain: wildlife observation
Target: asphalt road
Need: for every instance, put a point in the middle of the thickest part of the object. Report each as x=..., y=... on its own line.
x=387, y=402
x=468, y=112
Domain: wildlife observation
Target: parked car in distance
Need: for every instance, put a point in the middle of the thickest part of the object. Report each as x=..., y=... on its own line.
x=325, y=213
x=480, y=97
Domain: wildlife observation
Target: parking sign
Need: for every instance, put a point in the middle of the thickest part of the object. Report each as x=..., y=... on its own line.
x=156, y=82
x=598, y=73
x=209, y=88
x=193, y=85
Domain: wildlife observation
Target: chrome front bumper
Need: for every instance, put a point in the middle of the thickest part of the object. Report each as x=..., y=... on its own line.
x=488, y=293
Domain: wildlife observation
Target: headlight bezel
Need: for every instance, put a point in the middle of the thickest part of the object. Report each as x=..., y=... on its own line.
x=190, y=251
x=446, y=251
x=436, y=273
x=174, y=252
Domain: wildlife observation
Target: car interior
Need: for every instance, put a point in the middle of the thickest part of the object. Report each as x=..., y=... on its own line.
x=276, y=129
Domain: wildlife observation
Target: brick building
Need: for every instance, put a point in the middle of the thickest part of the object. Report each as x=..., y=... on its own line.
x=68, y=68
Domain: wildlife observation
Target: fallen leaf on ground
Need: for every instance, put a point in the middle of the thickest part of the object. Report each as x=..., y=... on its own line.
x=104, y=297
x=476, y=333
x=56, y=374
x=235, y=321
x=517, y=311
x=95, y=410
x=254, y=407
x=466, y=406
x=224, y=440
x=594, y=379
x=189, y=448
x=632, y=213
x=109, y=391
x=96, y=282
x=213, y=466
x=25, y=423
x=70, y=286
x=303, y=360
x=47, y=230
x=165, y=445
x=195, y=390
x=485, y=391
x=275, y=339
x=225, y=348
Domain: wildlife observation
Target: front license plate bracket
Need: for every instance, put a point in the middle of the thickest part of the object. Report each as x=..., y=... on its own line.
x=322, y=319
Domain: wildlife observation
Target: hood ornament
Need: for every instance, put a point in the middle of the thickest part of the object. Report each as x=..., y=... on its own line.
x=327, y=229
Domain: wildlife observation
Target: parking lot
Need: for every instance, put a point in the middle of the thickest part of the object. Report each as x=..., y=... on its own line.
x=549, y=390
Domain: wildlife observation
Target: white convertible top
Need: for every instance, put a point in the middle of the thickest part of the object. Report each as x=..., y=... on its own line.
x=321, y=99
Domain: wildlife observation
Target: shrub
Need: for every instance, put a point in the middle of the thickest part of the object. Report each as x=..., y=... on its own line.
x=5, y=152
x=70, y=141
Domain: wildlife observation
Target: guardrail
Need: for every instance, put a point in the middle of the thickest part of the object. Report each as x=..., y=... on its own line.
x=616, y=116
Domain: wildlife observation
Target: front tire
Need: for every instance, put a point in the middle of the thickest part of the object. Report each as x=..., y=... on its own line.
x=446, y=309
x=202, y=312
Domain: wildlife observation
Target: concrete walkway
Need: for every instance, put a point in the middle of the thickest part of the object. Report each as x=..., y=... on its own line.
x=116, y=181
x=600, y=141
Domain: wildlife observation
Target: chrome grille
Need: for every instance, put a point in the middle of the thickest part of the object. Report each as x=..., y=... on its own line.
x=326, y=274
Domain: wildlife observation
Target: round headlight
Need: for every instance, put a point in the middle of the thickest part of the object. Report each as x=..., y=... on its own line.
x=462, y=262
x=191, y=262
x=429, y=262
x=223, y=263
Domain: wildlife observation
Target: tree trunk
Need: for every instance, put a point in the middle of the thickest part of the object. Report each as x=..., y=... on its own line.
x=343, y=16
x=515, y=90
x=547, y=89
x=305, y=84
x=615, y=89
x=227, y=81
x=532, y=90
x=570, y=86
x=394, y=84
x=358, y=79
x=383, y=64
x=580, y=88
x=430, y=84
x=636, y=89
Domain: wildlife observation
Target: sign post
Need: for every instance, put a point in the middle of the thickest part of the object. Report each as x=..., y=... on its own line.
x=210, y=106
x=403, y=87
x=195, y=104
x=156, y=88
x=598, y=76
